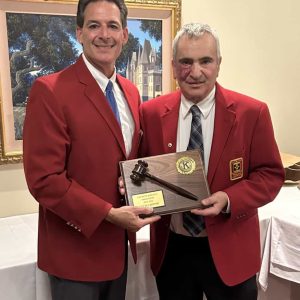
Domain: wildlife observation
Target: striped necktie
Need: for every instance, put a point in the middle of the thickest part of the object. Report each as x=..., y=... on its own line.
x=194, y=224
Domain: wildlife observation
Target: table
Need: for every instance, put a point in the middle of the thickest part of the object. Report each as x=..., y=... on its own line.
x=280, y=240
x=20, y=279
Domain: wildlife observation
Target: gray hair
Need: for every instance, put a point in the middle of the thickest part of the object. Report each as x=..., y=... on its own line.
x=195, y=30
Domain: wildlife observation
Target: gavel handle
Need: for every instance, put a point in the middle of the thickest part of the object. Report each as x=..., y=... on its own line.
x=172, y=187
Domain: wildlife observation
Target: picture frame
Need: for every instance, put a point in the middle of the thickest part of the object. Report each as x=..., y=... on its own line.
x=168, y=11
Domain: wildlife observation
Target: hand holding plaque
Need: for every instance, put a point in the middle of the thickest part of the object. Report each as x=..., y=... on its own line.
x=178, y=185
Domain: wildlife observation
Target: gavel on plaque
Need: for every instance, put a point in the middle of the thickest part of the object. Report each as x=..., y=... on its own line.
x=140, y=172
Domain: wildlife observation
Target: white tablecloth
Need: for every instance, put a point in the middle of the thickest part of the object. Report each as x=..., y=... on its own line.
x=280, y=235
x=20, y=279
x=18, y=237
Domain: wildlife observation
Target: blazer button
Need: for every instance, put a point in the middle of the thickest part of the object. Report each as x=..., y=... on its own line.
x=170, y=145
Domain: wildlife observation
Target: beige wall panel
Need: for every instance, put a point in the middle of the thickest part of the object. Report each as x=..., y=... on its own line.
x=260, y=45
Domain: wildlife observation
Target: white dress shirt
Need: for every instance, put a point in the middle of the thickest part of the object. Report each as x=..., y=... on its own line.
x=207, y=108
x=127, y=123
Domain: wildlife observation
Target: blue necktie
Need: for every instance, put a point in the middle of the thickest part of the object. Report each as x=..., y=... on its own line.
x=192, y=223
x=112, y=100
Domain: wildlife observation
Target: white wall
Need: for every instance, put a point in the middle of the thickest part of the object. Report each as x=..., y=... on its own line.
x=14, y=196
x=260, y=45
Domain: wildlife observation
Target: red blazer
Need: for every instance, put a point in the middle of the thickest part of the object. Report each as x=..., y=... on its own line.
x=72, y=147
x=243, y=130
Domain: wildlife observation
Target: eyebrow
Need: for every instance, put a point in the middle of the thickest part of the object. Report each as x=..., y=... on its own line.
x=189, y=59
x=185, y=59
x=109, y=22
x=92, y=21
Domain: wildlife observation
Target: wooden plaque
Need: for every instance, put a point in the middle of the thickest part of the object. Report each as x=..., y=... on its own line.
x=182, y=169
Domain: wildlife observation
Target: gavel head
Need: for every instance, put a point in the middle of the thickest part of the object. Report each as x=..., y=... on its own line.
x=139, y=171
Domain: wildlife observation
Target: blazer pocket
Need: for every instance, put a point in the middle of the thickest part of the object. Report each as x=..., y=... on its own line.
x=245, y=216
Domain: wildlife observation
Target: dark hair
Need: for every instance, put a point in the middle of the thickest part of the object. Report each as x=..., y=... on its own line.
x=82, y=4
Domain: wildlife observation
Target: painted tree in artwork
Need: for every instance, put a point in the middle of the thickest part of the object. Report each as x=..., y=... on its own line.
x=154, y=29
x=38, y=45
x=131, y=46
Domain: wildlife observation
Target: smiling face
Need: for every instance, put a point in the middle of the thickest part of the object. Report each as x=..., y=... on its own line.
x=102, y=35
x=196, y=66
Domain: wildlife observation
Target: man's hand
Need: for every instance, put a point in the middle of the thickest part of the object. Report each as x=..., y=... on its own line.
x=128, y=218
x=216, y=203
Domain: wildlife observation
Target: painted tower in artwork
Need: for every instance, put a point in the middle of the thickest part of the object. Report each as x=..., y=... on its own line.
x=144, y=70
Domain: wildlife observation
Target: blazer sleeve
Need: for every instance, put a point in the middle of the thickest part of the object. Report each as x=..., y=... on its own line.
x=46, y=144
x=265, y=171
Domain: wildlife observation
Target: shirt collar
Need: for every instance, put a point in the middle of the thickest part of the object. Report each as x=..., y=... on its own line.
x=205, y=105
x=101, y=79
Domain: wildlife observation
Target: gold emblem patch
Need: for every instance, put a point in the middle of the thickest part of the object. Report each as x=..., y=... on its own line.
x=185, y=165
x=236, y=168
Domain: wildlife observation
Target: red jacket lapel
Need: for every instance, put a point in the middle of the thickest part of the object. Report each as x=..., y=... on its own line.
x=224, y=120
x=96, y=96
x=169, y=116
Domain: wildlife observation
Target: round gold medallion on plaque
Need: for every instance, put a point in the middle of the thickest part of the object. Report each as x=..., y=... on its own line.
x=185, y=165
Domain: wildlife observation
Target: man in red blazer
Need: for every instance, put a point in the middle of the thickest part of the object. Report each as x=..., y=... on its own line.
x=243, y=168
x=73, y=143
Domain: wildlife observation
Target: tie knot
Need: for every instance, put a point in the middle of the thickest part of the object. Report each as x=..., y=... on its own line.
x=195, y=111
x=109, y=86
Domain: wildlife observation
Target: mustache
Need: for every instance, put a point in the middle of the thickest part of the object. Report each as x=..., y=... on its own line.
x=195, y=81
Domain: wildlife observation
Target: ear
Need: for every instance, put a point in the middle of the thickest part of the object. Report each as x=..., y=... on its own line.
x=125, y=36
x=174, y=69
x=220, y=60
x=219, y=64
x=79, y=34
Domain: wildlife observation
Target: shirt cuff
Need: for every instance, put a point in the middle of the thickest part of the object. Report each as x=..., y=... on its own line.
x=226, y=210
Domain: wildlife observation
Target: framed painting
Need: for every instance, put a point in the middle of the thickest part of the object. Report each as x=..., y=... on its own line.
x=38, y=38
